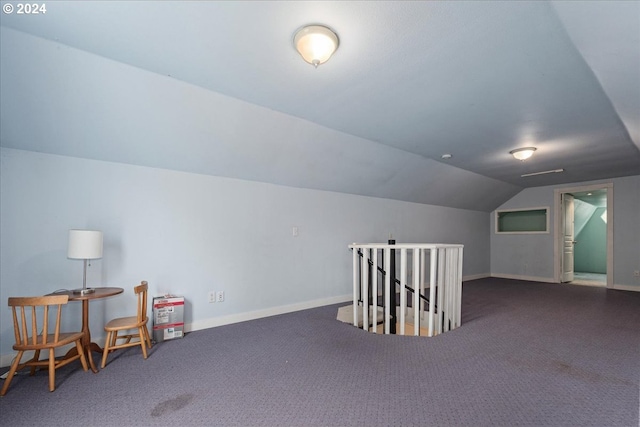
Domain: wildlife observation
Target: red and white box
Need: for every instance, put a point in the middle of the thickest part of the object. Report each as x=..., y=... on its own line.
x=168, y=318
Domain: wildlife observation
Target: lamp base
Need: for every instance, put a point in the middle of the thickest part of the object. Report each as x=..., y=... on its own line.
x=84, y=291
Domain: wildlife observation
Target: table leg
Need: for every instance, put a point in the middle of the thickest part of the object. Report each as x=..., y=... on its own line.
x=86, y=340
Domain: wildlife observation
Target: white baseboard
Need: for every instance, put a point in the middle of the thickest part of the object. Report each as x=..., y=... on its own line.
x=527, y=278
x=626, y=288
x=475, y=277
x=551, y=280
x=259, y=314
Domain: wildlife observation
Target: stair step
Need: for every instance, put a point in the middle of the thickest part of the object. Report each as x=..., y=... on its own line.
x=408, y=330
x=345, y=314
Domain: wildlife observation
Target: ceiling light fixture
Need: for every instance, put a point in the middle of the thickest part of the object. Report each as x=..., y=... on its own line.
x=446, y=156
x=315, y=43
x=542, y=173
x=522, y=153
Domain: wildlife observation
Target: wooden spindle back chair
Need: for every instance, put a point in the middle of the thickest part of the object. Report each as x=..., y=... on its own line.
x=137, y=322
x=34, y=332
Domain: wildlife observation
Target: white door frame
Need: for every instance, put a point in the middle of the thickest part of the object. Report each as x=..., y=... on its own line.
x=568, y=231
x=557, y=221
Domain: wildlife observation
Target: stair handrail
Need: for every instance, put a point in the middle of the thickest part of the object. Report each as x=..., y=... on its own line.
x=397, y=281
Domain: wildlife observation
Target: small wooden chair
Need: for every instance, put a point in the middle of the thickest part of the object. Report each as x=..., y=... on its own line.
x=139, y=322
x=26, y=323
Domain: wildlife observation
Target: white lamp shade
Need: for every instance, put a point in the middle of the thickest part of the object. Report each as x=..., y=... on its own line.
x=315, y=44
x=85, y=244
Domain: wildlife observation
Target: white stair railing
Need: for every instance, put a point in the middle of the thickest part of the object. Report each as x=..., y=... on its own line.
x=423, y=266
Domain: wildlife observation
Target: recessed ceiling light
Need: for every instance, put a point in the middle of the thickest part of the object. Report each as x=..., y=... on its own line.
x=447, y=156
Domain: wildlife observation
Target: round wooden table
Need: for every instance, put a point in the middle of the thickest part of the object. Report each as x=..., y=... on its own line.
x=86, y=298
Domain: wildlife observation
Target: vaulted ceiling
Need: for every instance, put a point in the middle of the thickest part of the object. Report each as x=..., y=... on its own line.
x=410, y=81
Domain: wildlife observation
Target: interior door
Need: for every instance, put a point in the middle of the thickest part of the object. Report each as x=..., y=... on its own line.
x=567, y=237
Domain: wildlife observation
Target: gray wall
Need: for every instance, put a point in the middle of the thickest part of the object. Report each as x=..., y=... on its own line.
x=189, y=234
x=532, y=256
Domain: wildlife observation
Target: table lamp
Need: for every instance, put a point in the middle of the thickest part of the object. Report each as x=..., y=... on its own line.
x=84, y=245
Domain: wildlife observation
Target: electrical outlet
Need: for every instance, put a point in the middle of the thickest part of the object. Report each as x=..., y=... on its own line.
x=636, y=273
x=220, y=296
x=212, y=296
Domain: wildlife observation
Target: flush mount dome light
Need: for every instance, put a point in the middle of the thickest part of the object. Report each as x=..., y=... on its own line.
x=522, y=153
x=315, y=43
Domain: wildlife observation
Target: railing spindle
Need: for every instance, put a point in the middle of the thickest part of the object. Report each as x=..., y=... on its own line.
x=365, y=289
x=403, y=293
x=432, y=290
x=416, y=294
x=355, y=287
x=374, y=292
x=387, y=291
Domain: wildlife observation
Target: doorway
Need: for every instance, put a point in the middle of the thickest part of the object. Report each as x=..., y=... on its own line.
x=584, y=235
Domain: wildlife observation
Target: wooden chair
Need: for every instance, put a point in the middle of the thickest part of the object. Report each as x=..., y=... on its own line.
x=27, y=314
x=139, y=322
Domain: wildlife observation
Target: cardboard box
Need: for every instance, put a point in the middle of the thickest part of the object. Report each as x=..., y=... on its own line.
x=168, y=318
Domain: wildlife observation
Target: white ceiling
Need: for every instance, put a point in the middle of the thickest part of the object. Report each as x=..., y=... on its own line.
x=473, y=79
